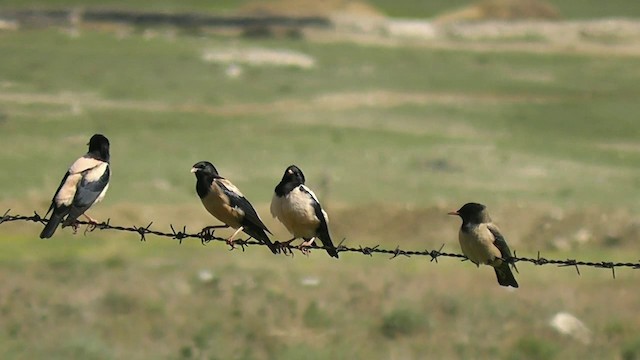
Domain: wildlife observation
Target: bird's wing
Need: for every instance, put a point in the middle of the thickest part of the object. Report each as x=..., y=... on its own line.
x=228, y=186
x=320, y=214
x=53, y=199
x=93, y=183
x=323, y=228
x=499, y=241
x=237, y=200
x=66, y=192
x=90, y=186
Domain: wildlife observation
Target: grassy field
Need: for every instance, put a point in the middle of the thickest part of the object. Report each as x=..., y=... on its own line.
x=570, y=9
x=390, y=137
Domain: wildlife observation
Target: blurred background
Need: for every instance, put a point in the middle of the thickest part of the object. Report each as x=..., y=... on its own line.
x=397, y=112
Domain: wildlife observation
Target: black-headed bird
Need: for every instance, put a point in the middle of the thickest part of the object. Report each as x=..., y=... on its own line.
x=482, y=242
x=299, y=210
x=85, y=183
x=226, y=203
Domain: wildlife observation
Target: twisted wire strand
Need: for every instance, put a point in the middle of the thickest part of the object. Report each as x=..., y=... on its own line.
x=207, y=235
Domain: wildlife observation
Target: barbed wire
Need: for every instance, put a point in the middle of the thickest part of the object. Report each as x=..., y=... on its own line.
x=207, y=235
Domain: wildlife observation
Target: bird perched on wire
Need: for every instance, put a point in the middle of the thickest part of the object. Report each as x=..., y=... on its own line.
x=299, y=210
x=225, y=202
x=482, y=242
x=85, y=183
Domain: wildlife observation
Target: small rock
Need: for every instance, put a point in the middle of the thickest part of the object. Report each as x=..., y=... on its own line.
x=205, y=275
x=570, y=325
x=310, y=281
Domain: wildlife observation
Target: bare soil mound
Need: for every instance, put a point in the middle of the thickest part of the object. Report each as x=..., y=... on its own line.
x=310, y=8
x=502, y=10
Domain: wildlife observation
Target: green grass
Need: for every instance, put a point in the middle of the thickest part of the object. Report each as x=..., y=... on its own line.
x=570, y=9
x=162, y=5
x=162, y=99
x=152, y=304
x=391, y=138
x=173, y=72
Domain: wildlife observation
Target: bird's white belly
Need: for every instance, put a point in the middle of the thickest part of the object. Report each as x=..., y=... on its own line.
x=297, y=214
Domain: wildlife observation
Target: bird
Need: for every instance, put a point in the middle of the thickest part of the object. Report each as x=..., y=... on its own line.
x=482, y=242
x=85, y=183
x=226, y=203
x=299, y=210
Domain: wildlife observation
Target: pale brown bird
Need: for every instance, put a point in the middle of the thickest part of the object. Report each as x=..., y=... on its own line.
x=85, y=183
x=299, y=210
x=225, y=202
x=482, y=242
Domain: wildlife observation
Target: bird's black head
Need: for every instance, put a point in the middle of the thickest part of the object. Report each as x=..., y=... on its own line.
x=99, y=147
x=472, y=213
x=293, y=174
x=204, y=168
x=205, y=173
x=292, y=177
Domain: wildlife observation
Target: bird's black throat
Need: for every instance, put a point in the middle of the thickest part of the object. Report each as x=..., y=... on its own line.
x=285, y=187
x=203, y=183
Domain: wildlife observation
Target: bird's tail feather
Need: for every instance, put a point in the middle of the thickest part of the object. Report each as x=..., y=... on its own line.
x=505, y=276
x=328, y=245
x=52, y=224
x=261, y=235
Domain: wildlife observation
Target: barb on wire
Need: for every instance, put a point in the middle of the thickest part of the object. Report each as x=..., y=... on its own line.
x=207, y=235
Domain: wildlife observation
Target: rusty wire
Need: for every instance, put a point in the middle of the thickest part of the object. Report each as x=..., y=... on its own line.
x=207, y=235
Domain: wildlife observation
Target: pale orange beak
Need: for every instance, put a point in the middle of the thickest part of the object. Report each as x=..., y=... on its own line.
x=453, y=213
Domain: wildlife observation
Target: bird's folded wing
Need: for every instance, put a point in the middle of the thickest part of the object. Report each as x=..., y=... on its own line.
x=320, y=214
x=92, y=184
x=53, y=199
x=499, y=241
x=237, y=200
x=228, y=186
x=67, y=190
x=82, y=168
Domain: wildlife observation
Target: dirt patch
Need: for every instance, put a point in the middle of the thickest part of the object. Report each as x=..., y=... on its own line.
x=311, y=8
x=602, y=37
x=502, y=10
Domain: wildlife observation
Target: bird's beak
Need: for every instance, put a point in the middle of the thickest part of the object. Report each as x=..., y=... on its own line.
x=453, y=213
x=193, y=170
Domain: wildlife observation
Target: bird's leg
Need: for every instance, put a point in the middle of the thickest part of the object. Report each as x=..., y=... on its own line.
x=230, y=238
x=213, y=227
x=304, y=247
x=75, y=227
x=206, y=234
x=284, y=246
x=91, y=220
x=92, y=223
